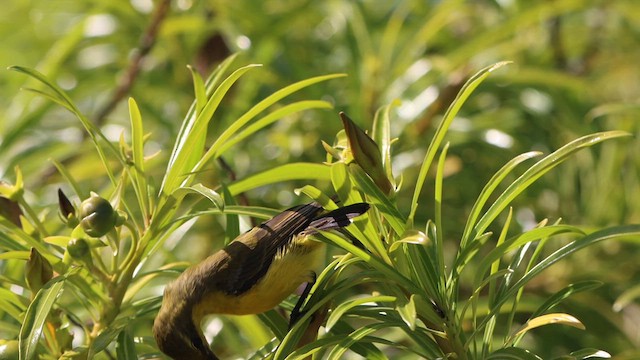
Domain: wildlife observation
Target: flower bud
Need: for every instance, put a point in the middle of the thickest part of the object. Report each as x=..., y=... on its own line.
x=97, y=216
x=366, y=153
x=66, y=210
x=79, y=249
x=38, y=271
x=10, y=210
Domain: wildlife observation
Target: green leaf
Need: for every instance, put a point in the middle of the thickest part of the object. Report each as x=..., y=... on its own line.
x=439, y=230
x=356, y=336
x=137, y=135
x=233, y=129
x=364, y=348
x=626, y=298
x=593, y=238
x=414, y=237
x=15, y=254
x=286, y=172
x=452, y=111
x=269, y=119
x=513, y=353
x=199, y=89
x=106, y=337
x=194, y=111
x=588, y=353
x=69, y=179
x=536, y=171
x=125, y=347
x=381, y=134
x=407, y=311
x=317, y=195
x=345, y=306
x=37, y=314
x=388, y=210
x=517, y=241
x=12, y=304
x=232, y=220
x=190, y=144
x=59, y=96
x=547, y=319
x=92, y=130
x=563, y=294
x=202, y=190
x=51, y=97
x=488, y=189
x=137, y=144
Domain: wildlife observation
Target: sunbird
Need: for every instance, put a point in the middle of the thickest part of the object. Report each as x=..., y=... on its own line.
x=252, y=274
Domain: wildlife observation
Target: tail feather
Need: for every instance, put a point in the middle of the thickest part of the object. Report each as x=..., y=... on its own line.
x=337, y=218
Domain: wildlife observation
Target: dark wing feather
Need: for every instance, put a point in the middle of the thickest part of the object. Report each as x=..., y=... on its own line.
x=337, y=218
x=253, y=252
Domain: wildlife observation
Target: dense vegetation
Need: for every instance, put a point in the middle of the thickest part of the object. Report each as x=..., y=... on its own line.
x=504, y=141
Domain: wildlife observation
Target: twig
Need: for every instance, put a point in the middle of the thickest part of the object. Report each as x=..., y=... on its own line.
x=125, y=83
x=147, y=40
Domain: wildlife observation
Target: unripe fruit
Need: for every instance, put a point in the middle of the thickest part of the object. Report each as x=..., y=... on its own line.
x=8, y=349
x=78, y=248
x=97, y=216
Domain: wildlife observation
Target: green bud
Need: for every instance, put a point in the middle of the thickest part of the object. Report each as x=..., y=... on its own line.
x=79, y=249
x=9, y=349
x=38, y=271
x=66, y=210
x=97, y=217
x=366, y=153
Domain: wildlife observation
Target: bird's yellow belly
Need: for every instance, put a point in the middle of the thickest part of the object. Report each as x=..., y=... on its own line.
x=284, y=276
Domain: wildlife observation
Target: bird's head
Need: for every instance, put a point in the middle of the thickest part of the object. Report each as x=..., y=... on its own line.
x=177, y=333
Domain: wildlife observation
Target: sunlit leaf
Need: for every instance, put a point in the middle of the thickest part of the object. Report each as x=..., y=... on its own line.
x=513, y=353
x=36, y=316
x=452, y=111
x=548, y=319
x=343, y=308
x=407, y=311
x=286, y=172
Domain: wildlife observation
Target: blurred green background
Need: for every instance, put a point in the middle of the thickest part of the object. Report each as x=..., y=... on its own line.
x=575, y=71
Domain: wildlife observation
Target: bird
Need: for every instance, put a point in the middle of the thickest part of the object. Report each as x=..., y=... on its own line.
x=252, y=274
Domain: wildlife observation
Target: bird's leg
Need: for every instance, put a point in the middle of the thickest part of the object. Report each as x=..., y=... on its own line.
x=296, y=314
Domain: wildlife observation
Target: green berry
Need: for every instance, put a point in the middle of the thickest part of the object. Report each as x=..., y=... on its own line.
x=78, y=248
x=8, y=349
x=97, y=216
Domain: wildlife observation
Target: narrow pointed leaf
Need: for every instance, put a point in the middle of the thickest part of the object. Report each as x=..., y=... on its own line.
x=36, y=316
x=452, y=111
x=125, y=347
x=344, y=307
x=536, y=171
x=407, y=311
x=548, y=319
x=513, y=353
x=287, y=172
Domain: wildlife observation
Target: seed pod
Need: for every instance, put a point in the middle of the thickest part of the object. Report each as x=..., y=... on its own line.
x=97, y=216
